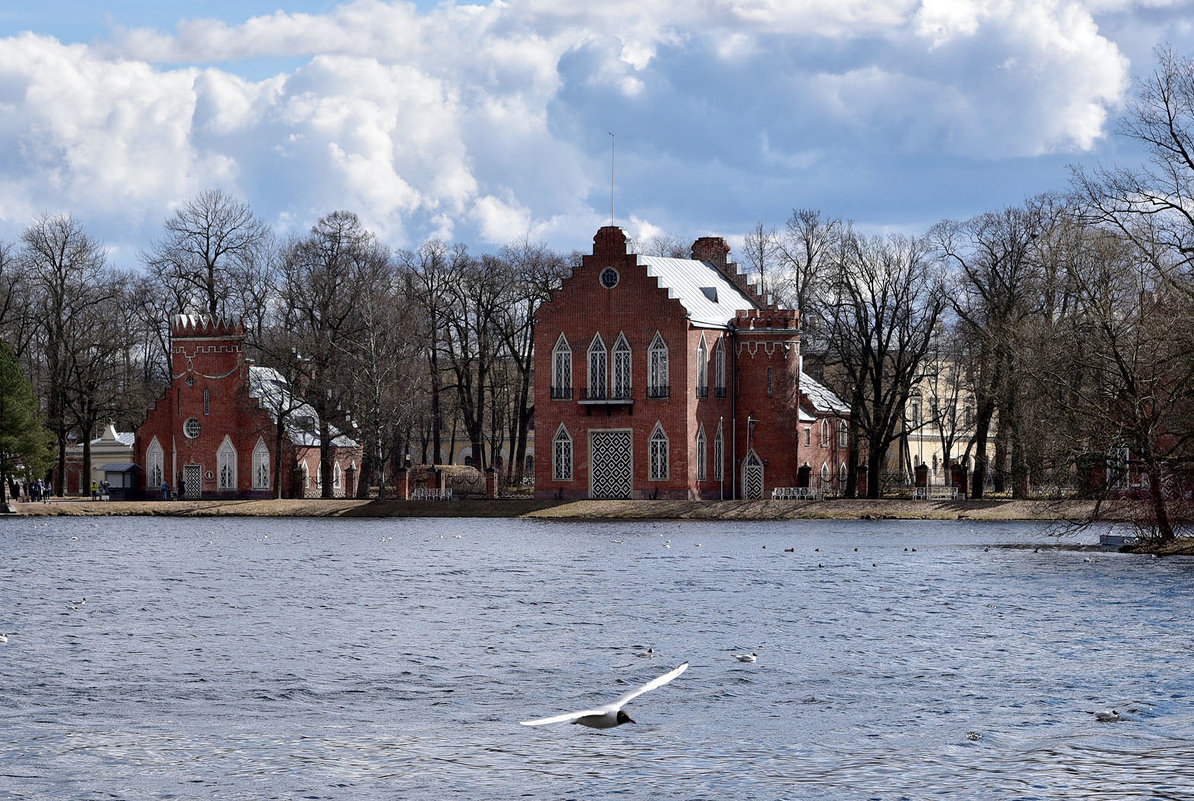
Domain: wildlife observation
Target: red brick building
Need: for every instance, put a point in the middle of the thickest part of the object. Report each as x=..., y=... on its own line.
x=214, y=432
x=666, y=378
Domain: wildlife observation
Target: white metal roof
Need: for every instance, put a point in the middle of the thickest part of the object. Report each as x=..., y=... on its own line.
x=707, y=295
x=272, y=391
x=821, y=397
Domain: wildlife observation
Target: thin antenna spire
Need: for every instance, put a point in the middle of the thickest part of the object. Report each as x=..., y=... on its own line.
x=613, y=140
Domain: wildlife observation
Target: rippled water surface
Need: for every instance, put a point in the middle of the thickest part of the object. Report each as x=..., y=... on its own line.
x=392, y=659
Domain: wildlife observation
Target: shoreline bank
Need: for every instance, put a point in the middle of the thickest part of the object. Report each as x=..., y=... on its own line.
x=838, y=509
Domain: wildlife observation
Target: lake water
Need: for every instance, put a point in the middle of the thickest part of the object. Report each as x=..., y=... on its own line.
x=392, y=659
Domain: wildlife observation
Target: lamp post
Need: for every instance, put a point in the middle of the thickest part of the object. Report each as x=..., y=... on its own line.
x=721, y=467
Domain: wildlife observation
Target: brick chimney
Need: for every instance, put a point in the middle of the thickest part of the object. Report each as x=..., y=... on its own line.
x=712, y=249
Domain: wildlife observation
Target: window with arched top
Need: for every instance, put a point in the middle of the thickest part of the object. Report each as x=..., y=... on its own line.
x=659, y=454
x=561, y=369
x=658, y=381
x=701, y=450
x=226, y=466
x=154, y=461
x=598, y=368
x=562, y=455
x=621, y=367
x=824, y=474
x=261, y=471
x=843, y=434
x=824, y=433
x=719, y=387
x=702, y=360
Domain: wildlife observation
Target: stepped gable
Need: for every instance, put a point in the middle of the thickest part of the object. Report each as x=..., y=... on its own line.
x=204, y=325
x=714, y=249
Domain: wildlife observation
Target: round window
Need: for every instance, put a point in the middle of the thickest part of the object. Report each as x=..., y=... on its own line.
x=191, y=428
x=609, y=278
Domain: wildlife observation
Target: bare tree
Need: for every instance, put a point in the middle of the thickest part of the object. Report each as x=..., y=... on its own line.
x=326, y=273
x=426, y=276
x=887, y=296
x=760, y=251
x=212, y=256
x=806, y=247
x=532, y=272
x=69, y=285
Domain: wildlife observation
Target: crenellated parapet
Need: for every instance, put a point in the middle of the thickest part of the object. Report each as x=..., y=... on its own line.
x=204, y=325
x=769, y=319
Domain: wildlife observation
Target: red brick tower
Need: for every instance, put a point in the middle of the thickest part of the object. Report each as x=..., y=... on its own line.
x=767, y=355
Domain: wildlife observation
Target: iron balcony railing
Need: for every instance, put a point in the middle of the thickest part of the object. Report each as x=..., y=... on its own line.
x=658, y=391
x=561, y=393
x=604, y=393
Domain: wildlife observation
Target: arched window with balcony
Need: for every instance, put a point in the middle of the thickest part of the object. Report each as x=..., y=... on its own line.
x=621, y=367
x=719, y=387
x=598, y=369
x=658, y=381
x=561, y=369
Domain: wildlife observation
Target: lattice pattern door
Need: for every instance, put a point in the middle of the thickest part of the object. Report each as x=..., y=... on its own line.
x=752, y=477
x=192, y=479
x=611, y=466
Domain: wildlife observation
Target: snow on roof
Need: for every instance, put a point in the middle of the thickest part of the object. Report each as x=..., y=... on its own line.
x=707, y=295
x=821, y=397
x=272, y=391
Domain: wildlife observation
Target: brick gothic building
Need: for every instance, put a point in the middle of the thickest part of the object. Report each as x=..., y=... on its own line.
x=214, y=434
x=670, y=378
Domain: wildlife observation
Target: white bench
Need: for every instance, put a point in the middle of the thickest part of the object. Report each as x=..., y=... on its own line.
x=794, y=494
x=428, y=494
x=939, y=493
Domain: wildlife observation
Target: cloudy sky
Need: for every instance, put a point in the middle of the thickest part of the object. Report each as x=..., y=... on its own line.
x=488, y=123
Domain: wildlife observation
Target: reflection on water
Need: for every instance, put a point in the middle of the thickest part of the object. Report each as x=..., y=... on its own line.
x=392, y=659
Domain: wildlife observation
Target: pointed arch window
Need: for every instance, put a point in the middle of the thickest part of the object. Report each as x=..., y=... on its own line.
x=261, y=472
x=701, y=453
x=843, y=434
x=562, y=455
x=719, y=450
x=598, y=369
x=824, y=433
x=561, y=370
x=719, y=388
x=154, y=461
x=842, y=474
x=336, y=475
x=305, y=473
x=659, y=461
x=621, y=368
x=825, y=474
x=226, y=466
x=702, y=359
x=657, y=368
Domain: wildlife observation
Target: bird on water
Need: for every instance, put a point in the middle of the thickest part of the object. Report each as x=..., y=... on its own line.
x=612, y=714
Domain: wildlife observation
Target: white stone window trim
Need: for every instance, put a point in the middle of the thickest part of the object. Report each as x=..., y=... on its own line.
x=226, y=467
x=659, y=454
x=561, y=368
x=261, y=465
x=563, y=454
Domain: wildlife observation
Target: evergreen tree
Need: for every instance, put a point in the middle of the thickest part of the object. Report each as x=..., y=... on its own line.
x=23, y=440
